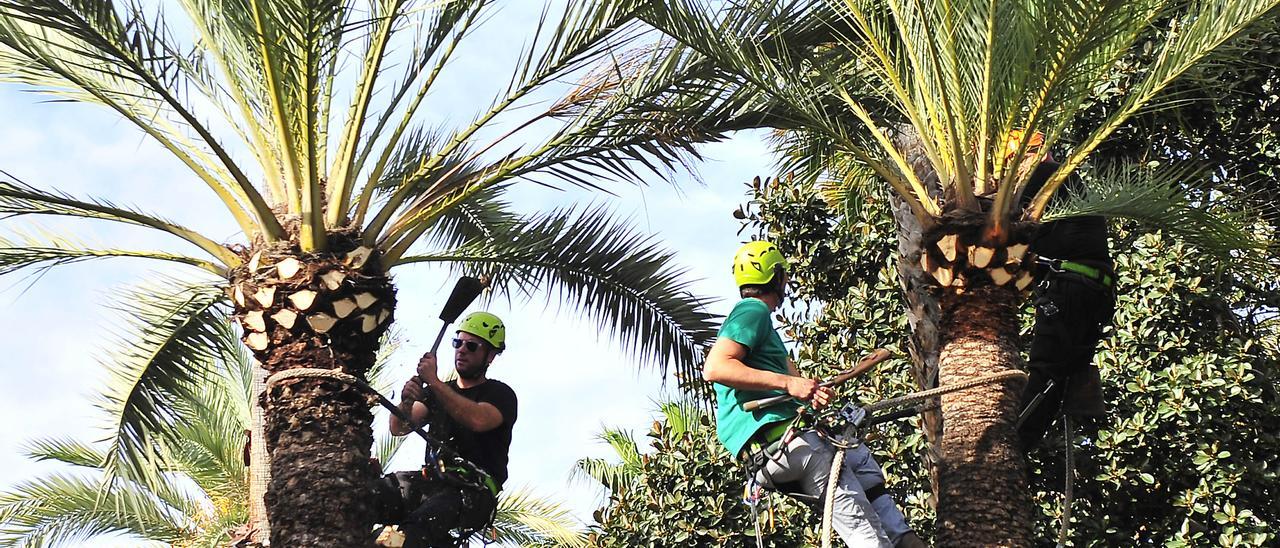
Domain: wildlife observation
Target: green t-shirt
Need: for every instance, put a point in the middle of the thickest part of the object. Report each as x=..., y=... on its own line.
x=750, y=325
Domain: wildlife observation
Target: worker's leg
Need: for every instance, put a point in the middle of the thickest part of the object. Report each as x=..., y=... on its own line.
x=1071, y=314
x=429, y=524
x=807, y=459
x=1083, y=396
x=1051, y=358
x=447, y=509
x=859, y=462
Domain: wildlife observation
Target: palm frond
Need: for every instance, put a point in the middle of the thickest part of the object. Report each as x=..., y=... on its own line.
x=684, y=415
x=297, y=43
x=602, y=270
x=111, y=55
x=444, y=27
x=17, y=198
x=1158, y=198
x=437, y=24
x=587, y=31
x=62, y=508
x=66, y=451
x=615, y=477
x=173, y=331
x=525, y=519
x=51, y=250
x=210, y=434
x=769, y=46
x=637, y=116
x=1208, y=25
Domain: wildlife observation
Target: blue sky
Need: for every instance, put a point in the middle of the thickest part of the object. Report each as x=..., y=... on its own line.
x=570, y=379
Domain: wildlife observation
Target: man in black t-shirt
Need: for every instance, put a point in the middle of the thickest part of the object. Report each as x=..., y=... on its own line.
x=437, y=510
x=1074, y=303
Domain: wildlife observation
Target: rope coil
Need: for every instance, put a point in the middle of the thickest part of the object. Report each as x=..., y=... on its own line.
x=313, y=373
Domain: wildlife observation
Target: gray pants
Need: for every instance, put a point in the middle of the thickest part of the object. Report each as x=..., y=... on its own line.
x=807, y=460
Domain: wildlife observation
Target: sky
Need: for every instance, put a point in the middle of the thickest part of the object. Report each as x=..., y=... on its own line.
x=570, y=379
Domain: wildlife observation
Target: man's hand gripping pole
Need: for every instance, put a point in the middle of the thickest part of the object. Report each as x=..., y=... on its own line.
x=865, y=364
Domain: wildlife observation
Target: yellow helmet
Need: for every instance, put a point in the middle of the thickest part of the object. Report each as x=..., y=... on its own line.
x=487, y=327
x=754, y=263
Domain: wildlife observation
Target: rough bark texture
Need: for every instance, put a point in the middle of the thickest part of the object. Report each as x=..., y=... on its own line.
x=921, y=293
x=318, y=431
x=983, y=499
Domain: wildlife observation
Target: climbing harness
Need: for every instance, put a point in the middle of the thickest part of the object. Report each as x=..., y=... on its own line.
x=442, y=463
x=854, y=418
x=752, y=494
x=1094, y=274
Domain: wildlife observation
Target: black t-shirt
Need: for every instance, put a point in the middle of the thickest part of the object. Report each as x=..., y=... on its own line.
x=1074, y=239
x=488, y=450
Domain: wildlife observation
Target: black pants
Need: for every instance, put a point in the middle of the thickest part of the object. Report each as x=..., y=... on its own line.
x=428, y=511
x=1071, y=313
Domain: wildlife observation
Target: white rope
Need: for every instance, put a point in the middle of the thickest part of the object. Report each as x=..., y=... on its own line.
x=833, y=479
x=934, y=392
x=311, y=373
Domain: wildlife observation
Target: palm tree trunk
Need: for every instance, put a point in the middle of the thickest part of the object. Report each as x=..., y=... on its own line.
x=984, y=500
x=314, y=321
x=977, y=475
x=924, y=313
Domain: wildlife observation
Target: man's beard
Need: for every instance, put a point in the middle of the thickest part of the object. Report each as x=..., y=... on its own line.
x=473, y=374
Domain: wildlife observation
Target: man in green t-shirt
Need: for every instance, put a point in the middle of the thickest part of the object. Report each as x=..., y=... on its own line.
x=749, y=362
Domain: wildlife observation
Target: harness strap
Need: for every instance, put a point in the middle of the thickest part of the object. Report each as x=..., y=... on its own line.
x=1101, y=276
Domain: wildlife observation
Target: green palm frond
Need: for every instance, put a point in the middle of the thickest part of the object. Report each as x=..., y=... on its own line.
x=1202, y=32
x=18, y=199
x=629, y=120
x=1157, y=197
x=586, y=33
x=109, y=54
x=613, y=476
x=525, y=519
x=440, y=26
x=66, y=451
x=623, y=444
x=600, y=269
x=679, y=416
x=173, y=331
x=62, y=508
x=684, y=415
x=210, y=434
x=50, y=250
x=443, y=26
x=482, y=216
x=959, y=75
x=386, y=447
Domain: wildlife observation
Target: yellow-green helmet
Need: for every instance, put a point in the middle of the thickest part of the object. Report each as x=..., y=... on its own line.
x=487, y=327
x=754, y=263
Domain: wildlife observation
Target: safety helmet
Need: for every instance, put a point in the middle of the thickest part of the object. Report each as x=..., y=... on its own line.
x=754, y=263
x=487, y=327
x=1015, y=141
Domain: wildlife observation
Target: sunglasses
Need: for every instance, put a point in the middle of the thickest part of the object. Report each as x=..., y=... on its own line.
x=472, y=346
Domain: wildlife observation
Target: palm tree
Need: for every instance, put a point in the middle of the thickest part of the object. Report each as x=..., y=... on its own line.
x=332, y=199
x=923, y=97
x=201, y=498
x=678, y=417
